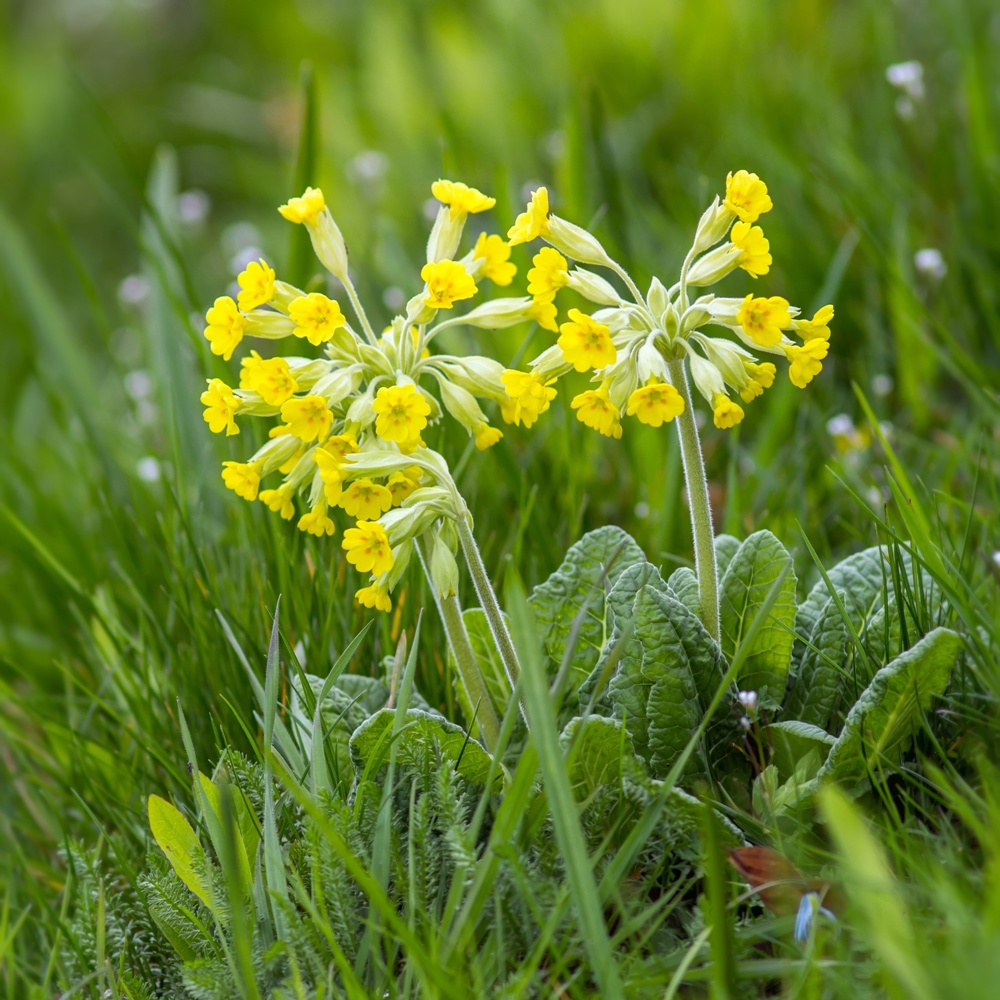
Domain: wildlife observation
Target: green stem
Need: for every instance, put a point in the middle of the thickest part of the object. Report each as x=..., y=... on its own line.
x=701, y=509
x=488, y=601
x=465, y=659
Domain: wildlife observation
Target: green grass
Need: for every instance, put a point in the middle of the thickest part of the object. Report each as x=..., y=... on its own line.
x=127, y=602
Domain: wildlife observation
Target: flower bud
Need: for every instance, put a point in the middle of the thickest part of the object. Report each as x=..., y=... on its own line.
x=268, y=325
x=575, y=242
x=477, y=374
x=727, y=358
x=328, y=244
x=497, y=314
x=715, y=265
x=443, y=567
x=338, y=384
x=593, y=287
x=707, y=378
x=461, y=404
x=445, y=236
x=649, y=363
x=712, y=227
x=657, y=299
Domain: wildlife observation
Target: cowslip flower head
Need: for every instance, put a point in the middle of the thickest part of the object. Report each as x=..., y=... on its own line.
x=350, y=421
x=648, y=342
x=221, y=405
x=533, y=221
x=374, y=596
x=367, y=547
x=585, y=343
x=746, y=196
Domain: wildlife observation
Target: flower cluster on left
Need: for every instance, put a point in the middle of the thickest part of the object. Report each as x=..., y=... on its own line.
x=350, y=423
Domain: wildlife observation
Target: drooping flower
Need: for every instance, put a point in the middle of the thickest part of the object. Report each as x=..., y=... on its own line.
x=307, y=417
x=746, y=196
x=806, y=361
x=279, y=501
x=367, y=547
x=316, y=317
x=585, y=343
x=271, y=379
x=726, y=413
x=494, y=252
x=243, y=478
x=543, y=312
x=317, y=522
x=530, y=394
x=533, y=221
x=221, y=405
x=550, y=273
x=817, y=328
x=763, y=319
x=487, y=436
x=402, y=413
x=595, y=409
x=460, y=198
x=305, y=209
x=655, y=404
x=374, y=596
x=755, y=256
x=226, y=326
x=256, y=283
x=365, y=500
x=447, y=283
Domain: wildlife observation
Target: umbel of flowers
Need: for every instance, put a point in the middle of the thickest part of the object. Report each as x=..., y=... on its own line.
x=641, y=348
x=347, y=426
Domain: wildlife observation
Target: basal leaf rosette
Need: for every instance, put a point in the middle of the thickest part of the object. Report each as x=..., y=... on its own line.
x=629, y=341
x=347, y=425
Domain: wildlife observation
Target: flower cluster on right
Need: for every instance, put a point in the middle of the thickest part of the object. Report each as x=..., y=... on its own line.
x=629, y=345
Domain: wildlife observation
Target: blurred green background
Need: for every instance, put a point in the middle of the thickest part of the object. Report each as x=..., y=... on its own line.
x=144, y=147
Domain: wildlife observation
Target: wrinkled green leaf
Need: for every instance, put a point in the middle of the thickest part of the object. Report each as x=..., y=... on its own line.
x=890, y=710
x=683, y=585
x=760, y=561
x=587, y=574
x=602, y=752
x=817, y=685
x=424, y=736
x=726, y=546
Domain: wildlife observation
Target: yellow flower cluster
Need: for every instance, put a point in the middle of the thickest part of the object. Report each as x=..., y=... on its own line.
x=634, y=347
x=349, y=423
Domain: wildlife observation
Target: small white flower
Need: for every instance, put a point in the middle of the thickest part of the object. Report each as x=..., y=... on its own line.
x=148, y=469
x=745, y=722
x=748, y=699
x=840, y=426
x=908, y=77
x=930, y=263
x=882, y=385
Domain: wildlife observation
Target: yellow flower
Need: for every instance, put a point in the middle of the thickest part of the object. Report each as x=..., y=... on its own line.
x=315, y=317
x=368, y=549
x=494, y=251
x=256, y=285
x=402, y=484
x=447, y=282
x=461, y=198
x=279, y=500
x=317, y=522
x=751, y=391
x=543, y=312
x=307, y=417
x=746, y=196
x=763, y=319
x=764, y=373
x=596, y=410
x=375, y=596
x=530, y=395
x=806, y=361
x=305, y=209
x=271, y=379
x=550, y=273
x=533, y=221
x=401, y=413
x=487, y=436
x=817, y=328
x=330, y=458
x=727, y=413
x=755, y=257
x=225, y=327
x=655, y=403
x=585, y=343
x=365, y=499
x=221, y=404
x=243, y=478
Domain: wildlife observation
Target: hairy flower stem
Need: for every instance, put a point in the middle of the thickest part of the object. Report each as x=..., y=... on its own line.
x=465, y=659
x=488, y=602
x=701, y=508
